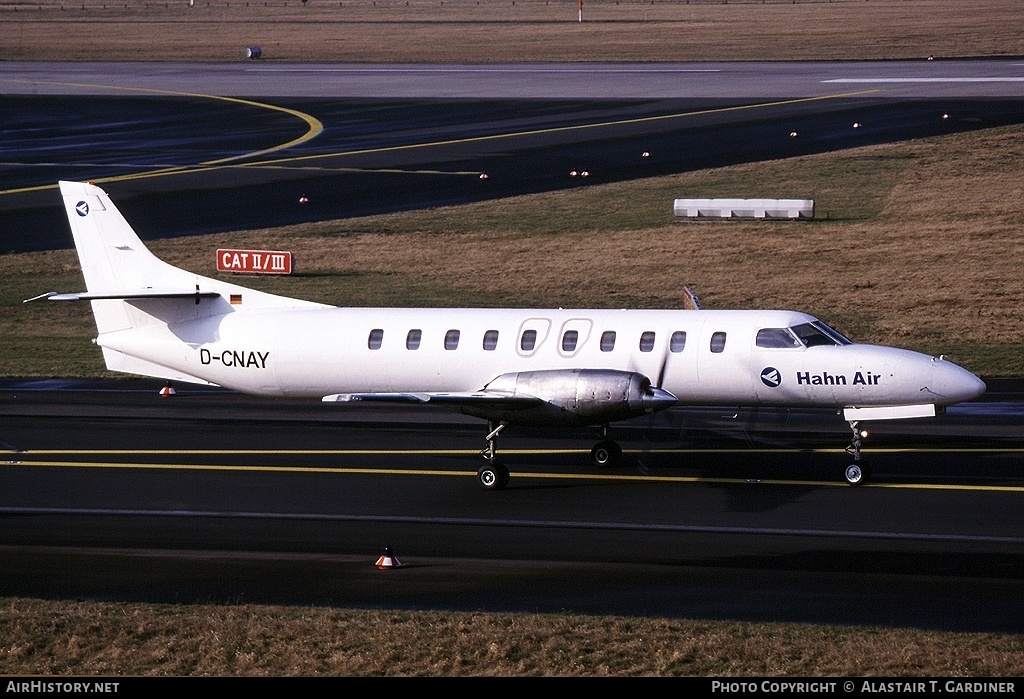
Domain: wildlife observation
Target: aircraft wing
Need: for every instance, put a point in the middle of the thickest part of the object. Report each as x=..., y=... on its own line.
x=480, y=399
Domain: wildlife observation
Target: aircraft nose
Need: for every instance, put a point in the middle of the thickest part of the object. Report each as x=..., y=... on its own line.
x=953, y=383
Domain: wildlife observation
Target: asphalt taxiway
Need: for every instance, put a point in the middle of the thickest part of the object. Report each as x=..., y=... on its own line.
x=201, y=148
x=112, y=491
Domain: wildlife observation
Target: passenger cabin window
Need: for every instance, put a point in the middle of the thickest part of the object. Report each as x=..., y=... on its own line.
x=777, y=338
x=677, y=342
x=451, y=340
x=569, y=340
x=375, y=339
x=647, y=341
x=412, y=340
x=607, y=340
x=718, y=342
x=490, y=340
x=528, y=341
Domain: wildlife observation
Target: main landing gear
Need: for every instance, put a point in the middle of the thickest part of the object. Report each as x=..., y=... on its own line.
x=857, y=472
x=607, y=452
x=494, y=475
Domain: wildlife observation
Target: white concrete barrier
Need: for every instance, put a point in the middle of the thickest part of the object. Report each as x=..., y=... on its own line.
x=744, y=208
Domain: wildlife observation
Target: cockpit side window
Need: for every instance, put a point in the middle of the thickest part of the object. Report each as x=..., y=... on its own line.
x=777, y=338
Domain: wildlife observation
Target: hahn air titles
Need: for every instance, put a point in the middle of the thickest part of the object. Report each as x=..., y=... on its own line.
x=860, y=378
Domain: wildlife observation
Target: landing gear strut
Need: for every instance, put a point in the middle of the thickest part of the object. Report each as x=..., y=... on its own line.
x=857, y=472
x=607, y=452
x=493, y=475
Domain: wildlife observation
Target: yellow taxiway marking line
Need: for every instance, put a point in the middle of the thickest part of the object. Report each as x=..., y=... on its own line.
x=531, y=452
x=558, y=129
x=323, y=470
x=314, y=129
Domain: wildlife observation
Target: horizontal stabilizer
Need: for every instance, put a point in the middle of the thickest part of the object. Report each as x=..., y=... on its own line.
x=125, y=295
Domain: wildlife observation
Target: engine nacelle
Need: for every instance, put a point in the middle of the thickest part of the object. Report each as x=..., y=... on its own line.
x=575, y=397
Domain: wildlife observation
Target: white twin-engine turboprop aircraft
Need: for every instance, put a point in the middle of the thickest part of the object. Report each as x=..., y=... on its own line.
x=506, y=366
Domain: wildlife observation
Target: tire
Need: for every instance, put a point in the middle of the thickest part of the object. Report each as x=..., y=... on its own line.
x=493, y=476
x=605, y=454
x=856, y=474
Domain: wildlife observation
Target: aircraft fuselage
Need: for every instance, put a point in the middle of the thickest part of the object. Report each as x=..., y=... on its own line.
x=700, y=356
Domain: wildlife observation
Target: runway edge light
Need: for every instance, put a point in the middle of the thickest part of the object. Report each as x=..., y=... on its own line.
x=388, y=560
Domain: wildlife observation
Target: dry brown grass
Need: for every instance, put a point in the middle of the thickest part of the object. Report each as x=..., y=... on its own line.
x=483, y=31
x=101, y=639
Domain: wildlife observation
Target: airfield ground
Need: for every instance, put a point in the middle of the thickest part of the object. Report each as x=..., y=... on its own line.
x=903, y=262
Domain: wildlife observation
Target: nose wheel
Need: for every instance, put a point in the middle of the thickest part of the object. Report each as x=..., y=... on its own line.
x=857, y=472
x=493, y=476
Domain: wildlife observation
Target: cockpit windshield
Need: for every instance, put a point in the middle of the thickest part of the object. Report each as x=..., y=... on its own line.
x=811, y=334
x=836, y=336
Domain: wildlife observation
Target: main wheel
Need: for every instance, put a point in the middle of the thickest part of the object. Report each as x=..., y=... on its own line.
x=493, y=476
x=606, y=453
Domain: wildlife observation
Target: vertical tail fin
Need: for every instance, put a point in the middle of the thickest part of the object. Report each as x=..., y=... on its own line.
x=114, y=260
x=146, y=310
x=129, y=286
x=112, y=256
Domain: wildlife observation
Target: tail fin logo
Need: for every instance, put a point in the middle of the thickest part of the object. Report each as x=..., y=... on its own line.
x=82, y=208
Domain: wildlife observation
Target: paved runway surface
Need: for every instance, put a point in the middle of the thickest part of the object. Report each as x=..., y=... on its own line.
x=199, y=148
x=960, y=79
x=121, y=494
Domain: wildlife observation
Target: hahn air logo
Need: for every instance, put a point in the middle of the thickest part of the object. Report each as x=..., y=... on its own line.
x=82, y=208
x=771, y=377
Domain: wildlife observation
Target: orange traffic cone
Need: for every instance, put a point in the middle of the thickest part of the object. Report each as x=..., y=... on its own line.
x=388, y=560
x=167, y=390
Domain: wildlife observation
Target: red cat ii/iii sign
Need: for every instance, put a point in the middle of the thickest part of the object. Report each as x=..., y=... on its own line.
x=254, y=261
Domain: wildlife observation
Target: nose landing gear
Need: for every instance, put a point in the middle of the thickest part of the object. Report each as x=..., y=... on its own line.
x=857, y=472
